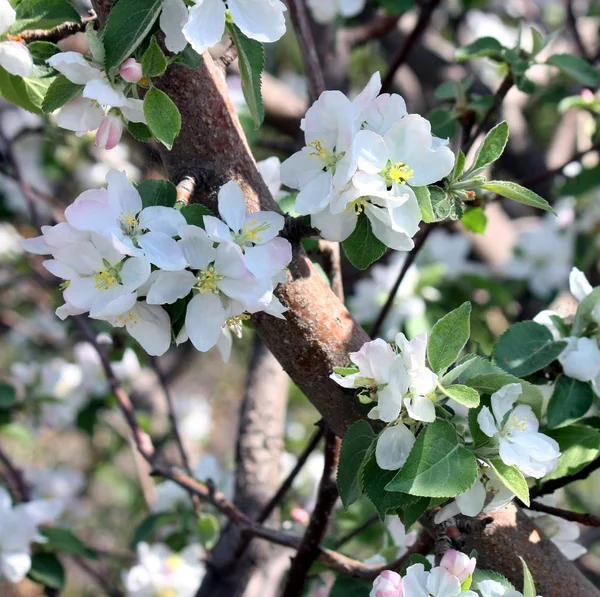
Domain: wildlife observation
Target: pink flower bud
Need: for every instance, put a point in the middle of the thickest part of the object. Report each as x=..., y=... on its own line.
x=131, y=70
x=300, y=515
x=387, y=584
x=458, y=564
x=109, y=133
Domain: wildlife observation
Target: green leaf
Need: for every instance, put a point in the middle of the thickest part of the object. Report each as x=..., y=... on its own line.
x=512, y=478
x=397, y=7
x=459, y=166
x=148, y=528
x=60, y=92
x=481, y=574
x=63, y=540
x=492, y=146
x=479, y=437
x=8, y=396
x=47, y=570
x=139, y=131
x=410, y=513
x=577, y=68
x=579, y=445
x=482, y=47
x=373, y=481
x=583, y=316
x=208, y=531
x=346, y=586
x=157, y=192
x=154, y=62
x=424, y=200
x=42, y=50
x=443, y=123
x=475, y=220
x=516, y=192
x=463, y=395
x=95, y=43
x=43, y=14
x=441, y=203
x=448, y=337
x=251, y=60
x=528, y=583
x=437, y=466
x=525, y=348
x=162, y=116
x=27, y=93
x=128, y=24
x=189, y=58
x=570, y=401
x=355, y=446
x=585, y=180
x=362, y=247
x=194, y=214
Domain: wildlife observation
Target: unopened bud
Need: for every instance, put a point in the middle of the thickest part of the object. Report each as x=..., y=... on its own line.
x=131, y=70
x=109, y=132
x=299, y=515
x=458, y=564
x=587, y=95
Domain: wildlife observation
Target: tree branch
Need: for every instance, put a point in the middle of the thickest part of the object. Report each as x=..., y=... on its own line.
x=55, y=34
x=572, y=27
x=555, y=484
x=14, y=478
x=589, y=520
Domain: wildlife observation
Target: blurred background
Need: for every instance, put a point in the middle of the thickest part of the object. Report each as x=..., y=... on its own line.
x=509, y=260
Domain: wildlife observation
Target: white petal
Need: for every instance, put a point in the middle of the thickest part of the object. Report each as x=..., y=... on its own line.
x=224, y=344
x=197, y=247
x=335, y=227
x=159, y=218
x=205, y=25
x=173, y=18
x=134, y=273
x=15, y=58
x=123, y=197
x=170, y=286
x=104, y=93
x=232, y=205
x=75, y=67
x=486, y=422
x=315, y=196
x=350, y=8
x=265, y=261
x=370, y=184
x=90, y=211
x=471, y=502
x=300, y=168
x=217, y=230
x=420, y=408
x=112, y=303
x=8, y=16
x=14, y=566
x=261, y=20
x=504, y=399
x=370, y=152
x=80, y=115
x=443, y=584
x=204, y=320
x=393, y=446
x=81, y=293
x=59, y=269
x=133, y=110
x=151, y=327
x=263, y=226
x=230, y=262
x=578, y=284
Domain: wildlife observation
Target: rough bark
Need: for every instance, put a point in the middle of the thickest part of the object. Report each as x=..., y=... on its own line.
x=258, y=452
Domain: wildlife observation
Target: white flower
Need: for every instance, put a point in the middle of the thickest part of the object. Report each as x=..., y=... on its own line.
x=261, y=20
x=14, y=56
x=533, y=453
x=578, y=284
x=160, y=571
x=100, y=279
x=458, y=564
x=393, y=446
x=173, y=17
x=581, y=358
x=387, y=584
x=439, y=582
x=256, y=233
x=400, y=538
x=18, y=530
x=54, y=238
x=117, y=212
x=492, y=588
x=327, y=11
x=270, y=170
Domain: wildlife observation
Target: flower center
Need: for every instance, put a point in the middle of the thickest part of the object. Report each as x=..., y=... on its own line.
x=519, y=423
x=251, y=233
x=330, y=158
x=207, y=280
x=129, y=224
x=106, y=279
x=169, y=592
x=358, y=205
x=236, y=323
x=398, y=173
x=129, y=318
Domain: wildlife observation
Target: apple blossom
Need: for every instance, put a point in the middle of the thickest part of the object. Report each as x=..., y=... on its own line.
x=109, y=132
x=581, y=359
x=160, y=571
x=325, y=12
x=393, y=447
x=18, y=530
x=117, y=212
x=387, y=584
x=14, y=55
x=261, y=20
x=439, y=582
x=579, y=284
x=520, y=443
x=173, y=17
x=131, y=71
x=458, y=564
x=493, y=588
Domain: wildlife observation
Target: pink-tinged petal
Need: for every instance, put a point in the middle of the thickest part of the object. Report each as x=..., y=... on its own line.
x=92, y=215
x=205, y=25
x=265, y=261
x=232, y=205
x=163, y=251
x=131, y=70
x=109, y=133
x=170, y=286
x=204, y=320
x=159, y=218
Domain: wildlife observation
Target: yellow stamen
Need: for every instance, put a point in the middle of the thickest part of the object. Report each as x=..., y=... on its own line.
x=236, y=320
x=519, y=422
x=400, y=173
x=170, y=592
x=319, y=150
x=105, y=280
x=358, y=205
x=207, y=280
x=251, y=232
x=174, y=562
x=143, y=81
x=130, y=318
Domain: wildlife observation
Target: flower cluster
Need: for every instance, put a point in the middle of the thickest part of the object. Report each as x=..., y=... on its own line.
x=14, y=55
x=452, y=578
x=103, y=105
x=19, y=529
x=122, y=262
x=399, y=381
x=364, y=156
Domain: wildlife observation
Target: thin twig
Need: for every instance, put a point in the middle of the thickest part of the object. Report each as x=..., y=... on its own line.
x=572, y=26
x=55, y=34
x=357, y=531
x=499, y=96
x=312, y=65
x=14, y=477
x=410, y=259
x=555, y=484
x=589, y=520
x=411, y=41
x=309, y=548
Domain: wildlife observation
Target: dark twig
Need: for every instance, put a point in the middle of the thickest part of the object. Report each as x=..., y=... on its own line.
x=55, y=34
x=308, y=551
x=410, y=259
x=312, y=65
x=589, y=520
x=14, y=477
x=499, y=96
x=357, y=531
x=555, y=484
x=411, y=41
x=572, y=26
